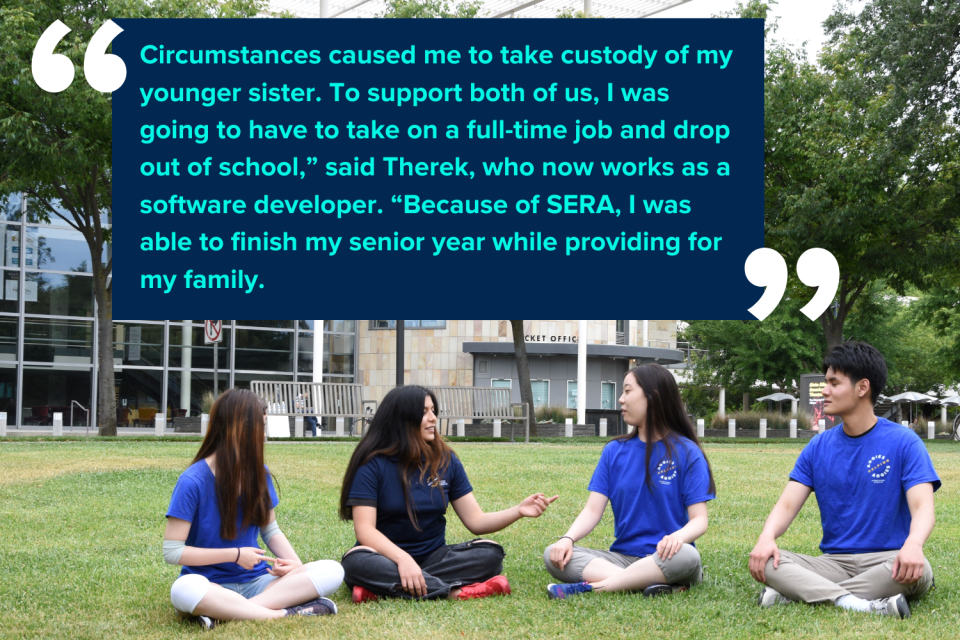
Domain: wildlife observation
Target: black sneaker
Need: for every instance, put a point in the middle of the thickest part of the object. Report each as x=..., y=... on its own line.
x=205, y=623
x=317, y=607
x=660, y=589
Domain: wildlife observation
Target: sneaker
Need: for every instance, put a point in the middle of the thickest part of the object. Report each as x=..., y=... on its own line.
x=495, y=586
x=205, y=622
x=660, y=589
x=770, y=597
x=316, y=607
x=361, y=594
x=896, y=606
x=570, y=589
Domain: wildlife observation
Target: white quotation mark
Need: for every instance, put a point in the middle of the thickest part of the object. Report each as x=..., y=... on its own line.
x=815, y=268
x=53, y=72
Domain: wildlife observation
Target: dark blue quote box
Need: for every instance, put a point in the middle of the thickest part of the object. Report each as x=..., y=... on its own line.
x=656, y=100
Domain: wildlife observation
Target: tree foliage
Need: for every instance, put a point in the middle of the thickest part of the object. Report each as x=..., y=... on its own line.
x=749, y=355
x=430, y=9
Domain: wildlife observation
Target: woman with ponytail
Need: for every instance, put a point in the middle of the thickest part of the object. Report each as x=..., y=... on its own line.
x=657, y=481
x=220, y=505
x=396, y=489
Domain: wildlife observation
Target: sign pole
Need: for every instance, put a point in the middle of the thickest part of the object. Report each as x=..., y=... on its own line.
x=216, y=370
x=213, y=334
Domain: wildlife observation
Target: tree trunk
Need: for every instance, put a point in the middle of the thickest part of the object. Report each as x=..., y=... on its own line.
x=106, y=411
x=523, y=369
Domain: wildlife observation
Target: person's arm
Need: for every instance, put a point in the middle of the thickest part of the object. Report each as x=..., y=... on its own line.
x=783, y=513
x=479, y=523
x=908, y=565
x=365, y=527
x=586, y=522
x=287, y=558
x=177, y=531
x=696, y=526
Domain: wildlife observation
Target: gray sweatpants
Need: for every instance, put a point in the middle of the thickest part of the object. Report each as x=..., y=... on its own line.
x=825, y=578
x=683, y=568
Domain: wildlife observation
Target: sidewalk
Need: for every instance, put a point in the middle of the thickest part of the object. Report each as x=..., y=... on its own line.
x=82, y=431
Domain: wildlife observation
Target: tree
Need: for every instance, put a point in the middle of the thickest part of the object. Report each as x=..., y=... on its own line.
x=523, y=368
x=56, y=148
x=743, y=355
x=835, y=177
x=430, y=9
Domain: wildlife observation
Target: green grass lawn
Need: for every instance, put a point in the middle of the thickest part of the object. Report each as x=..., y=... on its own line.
x=81, y=526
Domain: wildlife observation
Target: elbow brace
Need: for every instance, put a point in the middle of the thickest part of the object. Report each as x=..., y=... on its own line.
x=172, y=550
x=269, y=531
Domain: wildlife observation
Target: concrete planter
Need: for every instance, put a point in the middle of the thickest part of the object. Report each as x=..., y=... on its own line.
x=186, y=425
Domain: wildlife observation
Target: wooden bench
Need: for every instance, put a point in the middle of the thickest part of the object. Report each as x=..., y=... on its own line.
x=317, y=399
x=480, y=403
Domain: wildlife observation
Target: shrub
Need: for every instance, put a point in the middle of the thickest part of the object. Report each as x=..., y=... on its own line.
x=751, y=420
x=555, y=413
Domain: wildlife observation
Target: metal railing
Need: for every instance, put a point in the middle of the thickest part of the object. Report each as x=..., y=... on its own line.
x=74, y=402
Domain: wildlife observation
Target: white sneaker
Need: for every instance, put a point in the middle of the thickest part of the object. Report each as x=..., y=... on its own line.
x=896, y=606
x=770, y=597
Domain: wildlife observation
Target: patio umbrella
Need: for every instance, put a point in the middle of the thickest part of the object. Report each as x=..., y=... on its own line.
x=952, y=401
x=778, y=398
x=912, y=397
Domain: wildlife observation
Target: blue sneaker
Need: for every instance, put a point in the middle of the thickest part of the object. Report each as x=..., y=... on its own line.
x=563, y=590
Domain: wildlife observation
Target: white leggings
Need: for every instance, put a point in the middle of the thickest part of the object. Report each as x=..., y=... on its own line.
x=188, y=590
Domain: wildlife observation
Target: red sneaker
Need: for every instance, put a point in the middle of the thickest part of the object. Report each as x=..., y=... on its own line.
x=363, y=595
x=495, y=586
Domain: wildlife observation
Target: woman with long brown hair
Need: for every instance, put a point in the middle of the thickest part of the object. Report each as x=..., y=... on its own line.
x=221, y=504
x=657, y=481
x=396, y=489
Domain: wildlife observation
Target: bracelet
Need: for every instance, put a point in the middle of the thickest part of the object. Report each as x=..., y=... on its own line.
x=567, y=537
x=238, y=556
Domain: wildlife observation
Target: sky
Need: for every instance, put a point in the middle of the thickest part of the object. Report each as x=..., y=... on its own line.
x=800, y=20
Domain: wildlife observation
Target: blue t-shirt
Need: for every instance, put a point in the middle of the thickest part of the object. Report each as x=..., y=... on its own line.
x=643, y=516
x=377, y=484
x=195, y=500
x=861, y=485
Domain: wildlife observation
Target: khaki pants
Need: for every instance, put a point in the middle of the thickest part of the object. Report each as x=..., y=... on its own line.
x=683, y=568
x=828, y=577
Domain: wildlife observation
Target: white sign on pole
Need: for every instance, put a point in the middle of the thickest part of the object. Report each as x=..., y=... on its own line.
x=212, y=331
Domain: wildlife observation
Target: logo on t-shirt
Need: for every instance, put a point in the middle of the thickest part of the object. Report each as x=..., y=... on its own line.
x=878, y=467
x=666, y=471
x=436, y=482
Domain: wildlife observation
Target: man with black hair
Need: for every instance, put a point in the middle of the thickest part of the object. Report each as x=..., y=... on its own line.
x=875, y=483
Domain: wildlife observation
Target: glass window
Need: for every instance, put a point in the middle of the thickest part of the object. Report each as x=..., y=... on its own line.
x=8, y=391
x=60, y=341
x=541, y=392
x=11, y=291
x=608, y=395
x=188, y=351
x=343, y=379
x=186, y=391
x=243, y=380
x=501, y=383
x=305, y=355
x=264, y=350
x=8, y=342
x=138, y=344
x=59, y=295
x=338, y=353
x=409, y=324
x=139, y=396
x=571, y=394
x=268, y=324
x=341, y=326
x=49, y=390
x=305, y=324
x=11, y=209
x=54, y=249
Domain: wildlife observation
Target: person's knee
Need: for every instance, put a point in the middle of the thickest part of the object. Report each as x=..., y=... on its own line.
x=546, y=557
x=187, y=591
x=326, y=575
x=684, y=567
